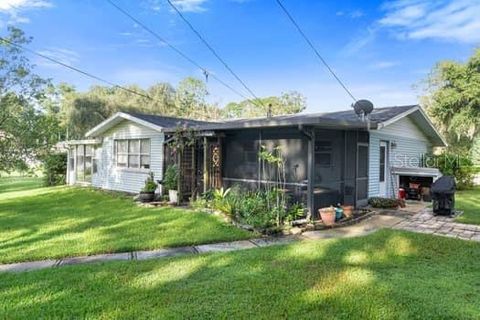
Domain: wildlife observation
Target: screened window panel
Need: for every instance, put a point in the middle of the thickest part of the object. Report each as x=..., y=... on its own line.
x=121, y=160
x=145, y=146
x=362, y=161
x=122, y=146
x=133, y=161
x=134, y=146
x=323, y=159
x=362, y=189
x=88, y=150
x=145, y=162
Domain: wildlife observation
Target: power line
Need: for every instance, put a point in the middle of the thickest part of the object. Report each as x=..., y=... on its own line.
x=85, y=73
x=215, y=53
x=290, y=17
x=178, y=51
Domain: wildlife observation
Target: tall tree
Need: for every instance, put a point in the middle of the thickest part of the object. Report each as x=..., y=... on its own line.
x=453, y=101
x=24, y=131
x=288, y=103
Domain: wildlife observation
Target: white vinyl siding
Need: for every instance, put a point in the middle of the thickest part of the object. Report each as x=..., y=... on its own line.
x=111, y=177
x=411, y=144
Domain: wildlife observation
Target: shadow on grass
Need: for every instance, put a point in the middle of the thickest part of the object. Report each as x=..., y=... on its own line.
x=62, y=222
x=386, y=275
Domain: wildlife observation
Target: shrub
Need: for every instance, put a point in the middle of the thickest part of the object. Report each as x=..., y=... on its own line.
x=170, y=181
x=458, y=166
x=383, y=203
x=54, y=169
x=150, y=184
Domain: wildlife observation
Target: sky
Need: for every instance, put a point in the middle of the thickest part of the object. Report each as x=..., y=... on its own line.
x=382, y=50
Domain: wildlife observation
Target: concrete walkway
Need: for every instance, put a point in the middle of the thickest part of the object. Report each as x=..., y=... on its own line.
x=423, y=222
x=363, y=228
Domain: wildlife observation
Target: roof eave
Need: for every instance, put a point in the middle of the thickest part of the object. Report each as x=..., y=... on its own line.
x=117, y=118
x=438, y=138
x=325, y=123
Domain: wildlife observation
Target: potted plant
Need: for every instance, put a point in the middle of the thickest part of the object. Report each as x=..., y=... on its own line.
x=347, y=210
x=147, y=194
x=328, y=215
x=171, y=183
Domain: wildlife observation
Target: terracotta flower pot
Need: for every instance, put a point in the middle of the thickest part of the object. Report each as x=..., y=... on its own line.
x=327, y=215
x=348, y=211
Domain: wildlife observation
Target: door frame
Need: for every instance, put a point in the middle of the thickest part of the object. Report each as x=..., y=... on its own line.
x=360, y=202
x=383, y=185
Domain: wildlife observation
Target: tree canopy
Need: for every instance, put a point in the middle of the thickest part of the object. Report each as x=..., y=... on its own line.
x=453, y=101
x=25, y=130
x=287, y=103
x=35, y=114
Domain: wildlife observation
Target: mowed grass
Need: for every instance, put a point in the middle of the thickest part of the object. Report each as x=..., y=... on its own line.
x=386, y=275
x=9, y=184
x=469, y=202
x=48, y=223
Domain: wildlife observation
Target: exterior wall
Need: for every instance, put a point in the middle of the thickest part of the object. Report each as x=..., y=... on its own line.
x=411, y=143
x=110, y=177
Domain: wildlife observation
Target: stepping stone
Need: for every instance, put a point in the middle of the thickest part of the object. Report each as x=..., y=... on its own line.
x=96, y=258
x=27, y=266
x=162, y=253
x=225, y=246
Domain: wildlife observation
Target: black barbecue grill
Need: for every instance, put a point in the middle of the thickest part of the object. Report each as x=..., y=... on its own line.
x=443, y=196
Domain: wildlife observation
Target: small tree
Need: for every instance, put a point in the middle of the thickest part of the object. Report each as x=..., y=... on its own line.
x=54, y=169
x=273, y=163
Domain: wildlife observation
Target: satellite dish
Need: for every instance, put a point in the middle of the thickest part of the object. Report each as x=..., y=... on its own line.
x=363, y=107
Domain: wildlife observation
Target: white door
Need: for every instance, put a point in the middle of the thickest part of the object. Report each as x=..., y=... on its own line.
x=383, y=168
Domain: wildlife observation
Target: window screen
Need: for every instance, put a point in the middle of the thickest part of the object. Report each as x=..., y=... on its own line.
x=323, y=154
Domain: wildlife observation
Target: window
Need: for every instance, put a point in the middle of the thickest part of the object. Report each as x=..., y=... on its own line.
x=383, y=150
x=84, y=162
x=132, y=153
x=323, y=153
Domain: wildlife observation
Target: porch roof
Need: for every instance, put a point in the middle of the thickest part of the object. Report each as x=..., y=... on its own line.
x=342, y=119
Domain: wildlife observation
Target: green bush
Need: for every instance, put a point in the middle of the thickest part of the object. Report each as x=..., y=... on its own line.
x=150, y=184
x=170, y=181
x=54, y=169
x=249, y=207
x=458, y=166
x=383, y=203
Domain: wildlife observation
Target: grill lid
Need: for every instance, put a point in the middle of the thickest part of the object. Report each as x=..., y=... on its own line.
x=445, y=184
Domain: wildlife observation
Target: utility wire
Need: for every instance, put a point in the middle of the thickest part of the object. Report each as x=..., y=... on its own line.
x=215, y=53
x=85, y=73
x=290, y=17
x=178, y=51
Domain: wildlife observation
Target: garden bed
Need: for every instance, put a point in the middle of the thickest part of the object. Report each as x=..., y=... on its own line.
x=302, y=225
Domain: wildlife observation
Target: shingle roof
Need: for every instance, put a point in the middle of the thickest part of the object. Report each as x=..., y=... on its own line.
x=347, y=119
x=166, y=122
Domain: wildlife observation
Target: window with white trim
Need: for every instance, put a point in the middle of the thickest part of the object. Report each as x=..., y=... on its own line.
x=132, y=153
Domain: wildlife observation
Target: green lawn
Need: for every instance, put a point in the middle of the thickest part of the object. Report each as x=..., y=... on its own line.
x=386, y=275
x=469, y=202
x=9, y=184
x=56, y=222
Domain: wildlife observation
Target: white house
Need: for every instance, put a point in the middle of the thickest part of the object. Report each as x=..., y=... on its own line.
x=331, y=157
